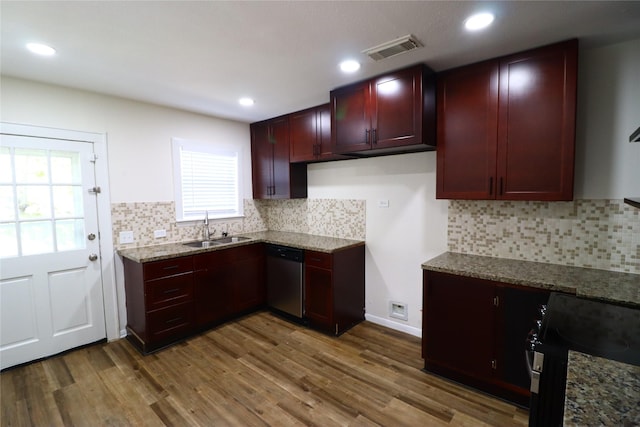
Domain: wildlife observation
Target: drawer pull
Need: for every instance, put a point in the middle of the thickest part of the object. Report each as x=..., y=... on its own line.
x=171, y=267
x=174, y=320
x=170, y=291
x=315, y=259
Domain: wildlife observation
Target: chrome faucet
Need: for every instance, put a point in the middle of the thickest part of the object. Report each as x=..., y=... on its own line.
x=206, y=232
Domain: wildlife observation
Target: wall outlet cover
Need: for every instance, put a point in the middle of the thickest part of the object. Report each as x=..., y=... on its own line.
x=126, y=237
x=160, y=233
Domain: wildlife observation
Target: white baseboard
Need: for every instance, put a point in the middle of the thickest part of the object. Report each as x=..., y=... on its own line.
x=416, y=332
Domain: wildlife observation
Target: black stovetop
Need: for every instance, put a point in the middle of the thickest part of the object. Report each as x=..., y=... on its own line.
x=592, y=327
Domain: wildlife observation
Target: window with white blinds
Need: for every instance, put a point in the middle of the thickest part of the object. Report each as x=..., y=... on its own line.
x=206, y=178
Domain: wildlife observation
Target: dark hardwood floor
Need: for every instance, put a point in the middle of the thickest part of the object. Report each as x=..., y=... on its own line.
x=257, y=371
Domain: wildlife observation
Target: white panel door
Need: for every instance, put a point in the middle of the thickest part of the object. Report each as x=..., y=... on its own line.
x=51, y=296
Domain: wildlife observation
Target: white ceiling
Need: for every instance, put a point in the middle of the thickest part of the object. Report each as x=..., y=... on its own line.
x=203, y=55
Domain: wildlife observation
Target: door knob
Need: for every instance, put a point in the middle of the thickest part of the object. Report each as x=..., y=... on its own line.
x=93, y=257
x=91, y=236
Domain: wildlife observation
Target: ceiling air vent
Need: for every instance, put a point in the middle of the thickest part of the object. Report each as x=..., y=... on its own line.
x=393, y=47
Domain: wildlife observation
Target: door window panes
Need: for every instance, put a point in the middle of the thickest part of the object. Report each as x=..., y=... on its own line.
x=65, y=168
x=70, y=234
x=9, y=239
x=6, y=169
x=34, y=202
x=41, y=202
x=32, y=166
x=7, y=205
x=67, y=201
x=36, y=237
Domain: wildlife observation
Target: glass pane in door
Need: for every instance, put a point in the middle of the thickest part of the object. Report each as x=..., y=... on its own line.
x=9, y=239
x=36, y=237
x=70, y=234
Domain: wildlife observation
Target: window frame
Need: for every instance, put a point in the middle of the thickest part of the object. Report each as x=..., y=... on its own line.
x=180, y=144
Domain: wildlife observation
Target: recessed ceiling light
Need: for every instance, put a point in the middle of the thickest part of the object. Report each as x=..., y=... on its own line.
x=41, y=49
x=349, y=66
x=478, y=21
x=246, y=101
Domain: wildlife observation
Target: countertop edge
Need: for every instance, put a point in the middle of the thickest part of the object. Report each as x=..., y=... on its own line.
x=178, y=249
x=608, y=286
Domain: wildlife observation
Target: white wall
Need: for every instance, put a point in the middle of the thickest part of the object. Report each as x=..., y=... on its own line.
x=399, y=238
x=607, y=165
x=138, y=134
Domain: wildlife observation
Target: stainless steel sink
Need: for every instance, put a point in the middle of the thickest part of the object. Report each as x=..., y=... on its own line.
x=216, y=242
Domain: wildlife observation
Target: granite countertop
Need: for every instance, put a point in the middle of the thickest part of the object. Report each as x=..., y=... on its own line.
x=611, y=286
x=601, y=392
x=295, y=240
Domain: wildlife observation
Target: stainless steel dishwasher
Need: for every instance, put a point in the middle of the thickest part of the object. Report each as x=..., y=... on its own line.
x=285, y=280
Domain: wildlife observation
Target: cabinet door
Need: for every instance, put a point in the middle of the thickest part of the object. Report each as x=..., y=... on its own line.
x=351, y=121
x=212, y=289
x=303, y=134
x=324, y=132
x=318, y=297
x=248, y=284
x=458, y=324
x=261, y=160
x=396, y=109
x=467, y=117
x=536, y=133
x=279, y=139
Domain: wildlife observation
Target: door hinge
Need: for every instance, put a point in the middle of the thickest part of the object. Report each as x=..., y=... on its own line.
x=494, y=364
x=95, y=190
x=496, y=301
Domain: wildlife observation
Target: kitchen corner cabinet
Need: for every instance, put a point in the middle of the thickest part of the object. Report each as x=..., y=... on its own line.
x=310, y=135
x=159, y=299
x=334, y=289
x=474, y=332
x=228, y=282
x=274, y=177
x=506, y=127
x=391, y=113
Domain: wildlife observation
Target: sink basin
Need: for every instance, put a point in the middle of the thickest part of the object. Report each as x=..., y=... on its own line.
x=215, y=242
x=229, y=239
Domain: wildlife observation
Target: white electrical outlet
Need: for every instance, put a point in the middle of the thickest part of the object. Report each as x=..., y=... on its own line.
x=126, y=237
x=160, y=233
x=383, y=203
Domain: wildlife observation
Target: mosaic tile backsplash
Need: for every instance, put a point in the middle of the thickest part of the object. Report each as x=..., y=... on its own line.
x=325, y=217
x=603, y=234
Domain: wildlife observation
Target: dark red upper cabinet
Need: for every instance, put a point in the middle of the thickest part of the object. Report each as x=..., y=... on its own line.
x=467, y=132
x=310, y=135
x=274, y=177
x=506, y=127
x=391, y=113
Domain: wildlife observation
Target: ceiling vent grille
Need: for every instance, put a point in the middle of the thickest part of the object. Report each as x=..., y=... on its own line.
x=393, y=48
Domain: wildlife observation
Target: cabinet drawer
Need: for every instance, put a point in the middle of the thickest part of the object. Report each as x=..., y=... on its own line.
x=168, y=290
x=318, y=259
x=167, y=267
x=170, y=321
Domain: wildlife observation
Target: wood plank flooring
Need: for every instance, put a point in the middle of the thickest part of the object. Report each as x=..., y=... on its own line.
x=259, y=370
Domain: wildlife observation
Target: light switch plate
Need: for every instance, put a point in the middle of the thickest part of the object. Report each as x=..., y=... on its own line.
x=126, y=237
x=383, y=203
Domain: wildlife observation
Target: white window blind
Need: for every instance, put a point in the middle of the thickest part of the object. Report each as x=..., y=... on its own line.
x=206, y=179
